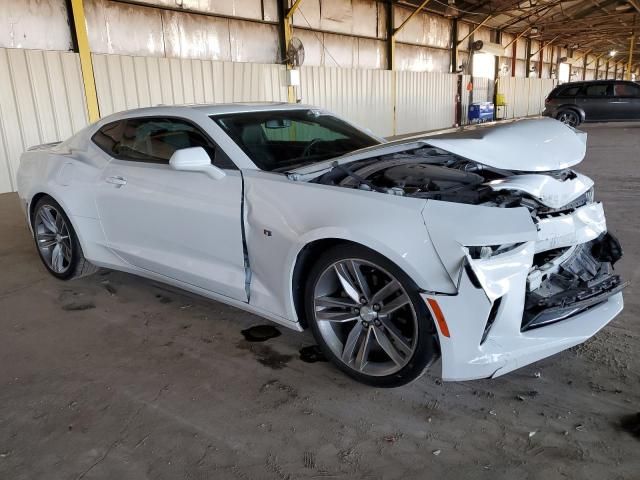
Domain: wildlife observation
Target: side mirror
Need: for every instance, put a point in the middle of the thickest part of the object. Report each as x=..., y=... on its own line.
x=195, y=159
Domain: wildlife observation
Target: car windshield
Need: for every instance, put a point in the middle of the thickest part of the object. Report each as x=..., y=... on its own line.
x=282, y=140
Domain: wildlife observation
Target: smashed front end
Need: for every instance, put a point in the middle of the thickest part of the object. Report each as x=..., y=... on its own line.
x=528, y=252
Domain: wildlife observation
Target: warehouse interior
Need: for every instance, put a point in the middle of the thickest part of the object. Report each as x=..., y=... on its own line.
x=115, y=376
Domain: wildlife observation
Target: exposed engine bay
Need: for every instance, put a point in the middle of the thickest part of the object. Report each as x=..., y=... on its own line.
x=432, y=173
x=563, y=280
x=424, y=173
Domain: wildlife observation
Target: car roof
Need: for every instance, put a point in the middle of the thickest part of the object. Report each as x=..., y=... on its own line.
x=204, y=109
x=587, y=82
x=216, y=108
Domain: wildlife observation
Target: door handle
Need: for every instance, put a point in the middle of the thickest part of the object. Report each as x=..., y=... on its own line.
x=117, y=181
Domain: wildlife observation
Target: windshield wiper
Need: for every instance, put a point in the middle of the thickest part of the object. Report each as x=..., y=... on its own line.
x=293, y=166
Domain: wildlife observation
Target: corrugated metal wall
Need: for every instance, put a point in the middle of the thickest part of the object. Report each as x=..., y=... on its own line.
x=424, y=101
x=41, y=100
x=362, y=96
x=525, y=96
x=125, y=82
x=41, y=94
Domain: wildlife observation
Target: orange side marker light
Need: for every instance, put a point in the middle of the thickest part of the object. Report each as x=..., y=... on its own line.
x=435, y=309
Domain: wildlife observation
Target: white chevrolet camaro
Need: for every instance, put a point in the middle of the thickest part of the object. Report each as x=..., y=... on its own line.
x=482, y=247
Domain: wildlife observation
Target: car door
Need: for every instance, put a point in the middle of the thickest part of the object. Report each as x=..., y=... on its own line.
x=626, y=98
x=183, y=225
x=594, y=99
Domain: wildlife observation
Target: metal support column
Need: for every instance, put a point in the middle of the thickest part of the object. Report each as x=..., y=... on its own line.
x=454, y=46
x=286, y=27
x=631, y=45
x=391, y=39
x=496, y=75
x=541, y=59
x=79, y=28
x=455, y=63
x=527, y=66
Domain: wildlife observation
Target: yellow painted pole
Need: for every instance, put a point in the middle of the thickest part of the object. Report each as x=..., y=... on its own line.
x=288, y=34
x=633, y=41
x=86, y=65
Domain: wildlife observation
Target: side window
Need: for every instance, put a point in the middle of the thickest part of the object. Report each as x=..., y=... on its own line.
x=570, y=91
x=626, y=90
x=108, y=137
x=598, y=90
x=155, y=139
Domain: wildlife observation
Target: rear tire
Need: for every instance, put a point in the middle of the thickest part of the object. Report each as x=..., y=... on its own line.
x=569, y=117
x=368, y=317
x=57, y=242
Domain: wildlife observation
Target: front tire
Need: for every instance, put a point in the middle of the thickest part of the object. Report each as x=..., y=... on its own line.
x=57, y=242
x=368, y=317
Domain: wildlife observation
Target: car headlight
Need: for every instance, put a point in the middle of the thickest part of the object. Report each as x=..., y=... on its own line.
x=485, y=252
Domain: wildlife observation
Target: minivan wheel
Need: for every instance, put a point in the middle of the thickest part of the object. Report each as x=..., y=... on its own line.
x=569, y=117
x=368, y=317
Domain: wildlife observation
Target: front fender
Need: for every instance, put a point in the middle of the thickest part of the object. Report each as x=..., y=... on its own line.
x=283, y=216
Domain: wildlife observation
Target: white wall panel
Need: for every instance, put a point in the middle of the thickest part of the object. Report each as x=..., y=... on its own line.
x=362, y=96
x=124, y=29
x=124, y=82
x=334, y=50
x=236, y=8
x=119, y=28
x=358, y=17
x=525, y=96
x=23, y=22
x=41, y=101
x=424, y=28
x=424, y=101
x=422, y=59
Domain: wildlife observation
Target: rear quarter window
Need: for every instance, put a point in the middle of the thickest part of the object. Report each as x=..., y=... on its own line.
x=108, y=137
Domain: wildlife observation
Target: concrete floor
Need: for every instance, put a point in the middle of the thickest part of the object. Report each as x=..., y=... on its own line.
x=116, y=377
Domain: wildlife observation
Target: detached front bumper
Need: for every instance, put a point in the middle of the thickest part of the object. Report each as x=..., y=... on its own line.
x=551, y=290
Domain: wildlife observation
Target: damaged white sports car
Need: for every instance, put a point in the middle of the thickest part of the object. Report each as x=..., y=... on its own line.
x=483, y=247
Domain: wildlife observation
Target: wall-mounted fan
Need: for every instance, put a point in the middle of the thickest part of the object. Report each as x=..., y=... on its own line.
x=295, y=52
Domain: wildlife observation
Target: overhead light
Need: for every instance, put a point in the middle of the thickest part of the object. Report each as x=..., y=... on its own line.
x=451, y=10
x=613, y=53
x=534, y=30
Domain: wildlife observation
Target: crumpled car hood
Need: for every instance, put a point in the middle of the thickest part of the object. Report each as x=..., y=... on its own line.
x=532, y=145
x=539, y=145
